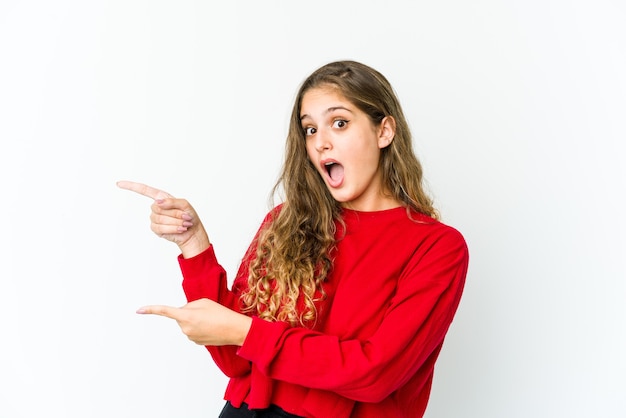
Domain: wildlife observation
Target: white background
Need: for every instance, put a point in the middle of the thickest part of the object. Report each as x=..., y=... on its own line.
x=518, y=109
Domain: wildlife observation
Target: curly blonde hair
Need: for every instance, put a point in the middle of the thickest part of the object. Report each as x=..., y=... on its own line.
x=294, y=251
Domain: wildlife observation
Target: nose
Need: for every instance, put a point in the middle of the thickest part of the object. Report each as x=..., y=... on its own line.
x=322, y=140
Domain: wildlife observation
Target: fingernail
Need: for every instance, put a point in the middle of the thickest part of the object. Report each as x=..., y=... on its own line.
x=159, y=201
x=186, y=217
x=141, y=310
x=187, y=224
x=181, y=229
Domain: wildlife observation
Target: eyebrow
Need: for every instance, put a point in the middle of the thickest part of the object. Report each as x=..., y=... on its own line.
x=329, y=110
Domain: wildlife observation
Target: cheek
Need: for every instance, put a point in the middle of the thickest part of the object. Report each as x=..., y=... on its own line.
x=310, y=151
x=367, y=155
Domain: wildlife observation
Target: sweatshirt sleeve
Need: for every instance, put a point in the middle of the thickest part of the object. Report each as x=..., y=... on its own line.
x=406, y=342
x=204, y=277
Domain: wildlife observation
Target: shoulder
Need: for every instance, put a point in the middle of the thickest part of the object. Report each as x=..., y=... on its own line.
x=273, y=213
x=435, y=233
x=448, y=231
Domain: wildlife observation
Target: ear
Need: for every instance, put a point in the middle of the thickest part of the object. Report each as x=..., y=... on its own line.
x=386, y=131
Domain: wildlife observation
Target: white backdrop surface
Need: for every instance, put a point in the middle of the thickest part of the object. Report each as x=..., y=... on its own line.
x=518, y=109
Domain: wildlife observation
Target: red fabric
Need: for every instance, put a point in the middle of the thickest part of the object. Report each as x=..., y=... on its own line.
x=393, y=292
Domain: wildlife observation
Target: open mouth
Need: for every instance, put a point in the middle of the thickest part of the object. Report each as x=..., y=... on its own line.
x=335, y=173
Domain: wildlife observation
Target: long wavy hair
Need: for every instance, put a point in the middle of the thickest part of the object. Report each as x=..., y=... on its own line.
x=294, y=250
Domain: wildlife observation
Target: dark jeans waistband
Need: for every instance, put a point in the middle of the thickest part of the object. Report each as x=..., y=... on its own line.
x=272, y=411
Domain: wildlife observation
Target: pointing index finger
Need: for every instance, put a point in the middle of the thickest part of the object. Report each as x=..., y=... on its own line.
x=162, y=310
x=143, y=189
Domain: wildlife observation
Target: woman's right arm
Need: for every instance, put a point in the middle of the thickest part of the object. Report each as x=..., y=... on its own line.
x=177, y=221
x=204, y=277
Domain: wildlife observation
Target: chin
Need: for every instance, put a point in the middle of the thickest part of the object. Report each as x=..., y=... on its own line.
x=342, y=198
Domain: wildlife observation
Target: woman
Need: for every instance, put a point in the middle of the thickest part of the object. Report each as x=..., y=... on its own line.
x=343, y=299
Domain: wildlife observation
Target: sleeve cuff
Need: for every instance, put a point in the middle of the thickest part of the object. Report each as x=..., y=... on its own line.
x=196, y=263
x=263, y=342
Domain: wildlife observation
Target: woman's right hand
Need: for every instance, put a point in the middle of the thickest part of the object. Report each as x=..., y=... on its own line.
x=173, y=219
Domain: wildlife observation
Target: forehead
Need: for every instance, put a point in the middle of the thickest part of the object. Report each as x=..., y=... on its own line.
x=320, y=99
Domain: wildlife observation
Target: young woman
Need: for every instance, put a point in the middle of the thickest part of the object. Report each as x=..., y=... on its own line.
x=342, y=302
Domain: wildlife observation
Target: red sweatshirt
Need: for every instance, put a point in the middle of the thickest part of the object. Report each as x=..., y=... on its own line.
x=393, y=291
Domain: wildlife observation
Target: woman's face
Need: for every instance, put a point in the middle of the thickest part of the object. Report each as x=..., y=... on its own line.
x=345, y=146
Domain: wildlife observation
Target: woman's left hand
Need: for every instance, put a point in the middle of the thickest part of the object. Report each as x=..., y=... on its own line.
x=206, y=322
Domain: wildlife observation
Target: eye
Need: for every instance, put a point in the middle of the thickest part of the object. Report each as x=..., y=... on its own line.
x=309, y=131
x=340, y=123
